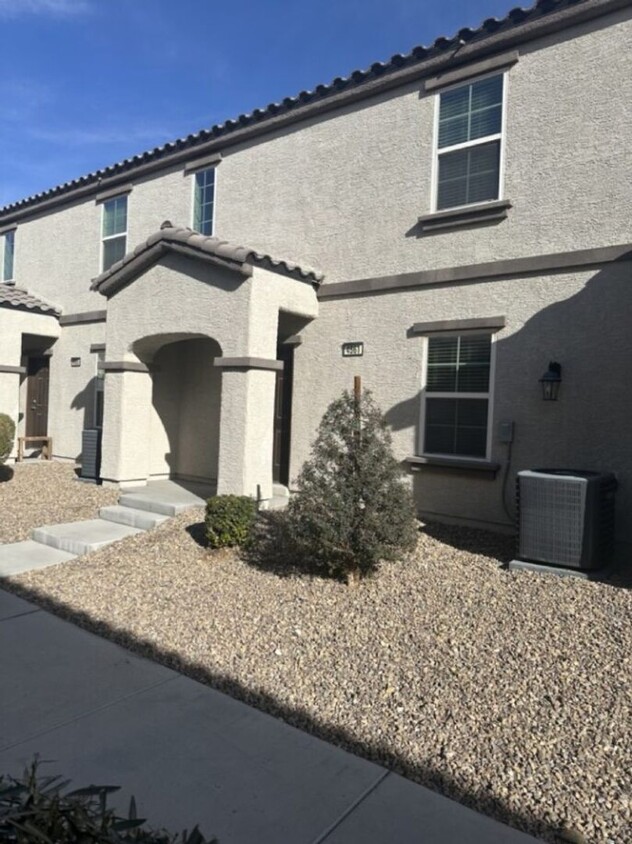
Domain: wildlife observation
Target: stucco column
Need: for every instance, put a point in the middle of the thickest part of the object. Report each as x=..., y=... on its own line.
x=246, y=430
x=126, y=423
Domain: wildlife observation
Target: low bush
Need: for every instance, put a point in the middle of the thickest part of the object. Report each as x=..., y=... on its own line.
x=354, y=508
x=229, y=520
x=7, y=436
x=34, y=809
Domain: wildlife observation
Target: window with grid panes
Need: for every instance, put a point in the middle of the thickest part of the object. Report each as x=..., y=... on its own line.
x=456, y=412
x=469, y=143
x=114, y=231
x=203, y=201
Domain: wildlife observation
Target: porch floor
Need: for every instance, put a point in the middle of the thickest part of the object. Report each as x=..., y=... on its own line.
x=168, y=497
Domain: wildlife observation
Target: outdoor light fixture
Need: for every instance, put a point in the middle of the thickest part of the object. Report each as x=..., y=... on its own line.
x=551, y=381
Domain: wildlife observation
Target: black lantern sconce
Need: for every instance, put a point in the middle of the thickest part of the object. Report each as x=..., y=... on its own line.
x=551, y=381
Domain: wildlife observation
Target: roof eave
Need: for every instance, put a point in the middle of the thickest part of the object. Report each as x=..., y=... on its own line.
x=509, y=34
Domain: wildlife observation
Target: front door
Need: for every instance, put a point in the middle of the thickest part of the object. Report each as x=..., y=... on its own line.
x=283, y=417
x=37, y=397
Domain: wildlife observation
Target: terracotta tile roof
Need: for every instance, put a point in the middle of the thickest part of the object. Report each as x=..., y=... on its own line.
x=447, y=47
x=194, y=244
x=17, y=297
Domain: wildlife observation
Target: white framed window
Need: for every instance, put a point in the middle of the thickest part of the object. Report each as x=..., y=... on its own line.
x=457, y=393
x=203, y=200
x=99, y=384
x=469, y=143
x=8, y=258
x=113, y=231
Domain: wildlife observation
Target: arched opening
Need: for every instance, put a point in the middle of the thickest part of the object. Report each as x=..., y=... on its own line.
x=186, y=401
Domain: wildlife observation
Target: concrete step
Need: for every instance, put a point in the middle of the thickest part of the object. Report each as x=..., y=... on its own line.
x=277, y=502
x=123, y=515
x=167, y=500
x=18, y=557
x=82, y=537
x=280, y=491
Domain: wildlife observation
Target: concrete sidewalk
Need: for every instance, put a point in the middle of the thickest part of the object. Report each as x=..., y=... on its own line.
x=191, y=755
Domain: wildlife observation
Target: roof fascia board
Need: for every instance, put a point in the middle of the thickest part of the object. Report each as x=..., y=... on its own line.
x=493, y=43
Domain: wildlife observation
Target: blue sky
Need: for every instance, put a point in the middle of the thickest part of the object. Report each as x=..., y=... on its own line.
x=85, y=83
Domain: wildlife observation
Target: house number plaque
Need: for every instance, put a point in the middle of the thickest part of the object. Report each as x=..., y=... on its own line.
x=352, y=350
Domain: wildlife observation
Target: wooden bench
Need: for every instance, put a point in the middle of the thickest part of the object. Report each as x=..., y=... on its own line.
x=47, y=449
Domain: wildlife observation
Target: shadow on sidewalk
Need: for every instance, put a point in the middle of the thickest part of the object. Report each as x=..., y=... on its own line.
x=481, y=801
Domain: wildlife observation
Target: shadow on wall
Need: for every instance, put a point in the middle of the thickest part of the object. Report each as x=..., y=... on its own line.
x=294, y=715
x=587, y=428
x=85, y=401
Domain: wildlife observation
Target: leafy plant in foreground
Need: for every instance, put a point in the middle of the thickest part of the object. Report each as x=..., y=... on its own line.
x=34, y=810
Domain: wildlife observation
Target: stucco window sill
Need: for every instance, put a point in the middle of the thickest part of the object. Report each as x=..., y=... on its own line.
x=488, y=212
x=484, y=468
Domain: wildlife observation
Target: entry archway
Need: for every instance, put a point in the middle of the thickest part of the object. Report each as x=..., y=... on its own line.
x=185, y=406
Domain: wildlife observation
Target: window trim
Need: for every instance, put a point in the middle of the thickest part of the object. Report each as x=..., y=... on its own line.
x=501, y=137
x=421, y=452
x=8, y=234
x=119, y=195
x=194, y=174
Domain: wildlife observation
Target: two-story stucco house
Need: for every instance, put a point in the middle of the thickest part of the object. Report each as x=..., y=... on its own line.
x=461, y=215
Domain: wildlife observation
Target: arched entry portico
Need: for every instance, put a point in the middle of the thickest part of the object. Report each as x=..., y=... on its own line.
x=191, y=360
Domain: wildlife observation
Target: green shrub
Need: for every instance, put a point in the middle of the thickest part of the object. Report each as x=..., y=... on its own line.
x=229, y=520
x=354, y=508
x=34, y=809
x=7, y=435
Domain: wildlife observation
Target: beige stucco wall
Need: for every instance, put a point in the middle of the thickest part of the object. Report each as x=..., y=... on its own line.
x=343, y=192
x=580, y=319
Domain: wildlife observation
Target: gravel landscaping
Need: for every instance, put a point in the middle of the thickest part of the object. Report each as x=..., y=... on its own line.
x=509, y=692
x=44, y=493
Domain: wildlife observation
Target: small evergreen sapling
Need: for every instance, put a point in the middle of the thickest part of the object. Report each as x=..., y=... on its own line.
x=354, y=508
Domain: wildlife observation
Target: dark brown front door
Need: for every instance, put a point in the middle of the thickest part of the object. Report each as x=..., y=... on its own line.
x=37, y=397
x=283, y=417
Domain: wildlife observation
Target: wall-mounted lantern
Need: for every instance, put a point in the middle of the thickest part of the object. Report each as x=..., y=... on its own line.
x=551, y=381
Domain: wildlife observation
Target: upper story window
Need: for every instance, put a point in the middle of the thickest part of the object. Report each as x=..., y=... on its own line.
x=203, y=201
x=456, y=411
x=114, y=231
x=9, y=256
x=469, y=143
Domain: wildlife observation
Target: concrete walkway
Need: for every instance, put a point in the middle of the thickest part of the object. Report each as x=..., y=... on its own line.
x=192, y=755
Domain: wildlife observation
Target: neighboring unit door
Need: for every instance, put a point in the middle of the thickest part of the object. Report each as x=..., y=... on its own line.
x=283, y=417
x=37, y=397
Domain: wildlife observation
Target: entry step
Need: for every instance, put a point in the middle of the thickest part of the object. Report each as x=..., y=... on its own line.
x=82, y=537
x=18, y=557
x=163, y=497
x=132, y=516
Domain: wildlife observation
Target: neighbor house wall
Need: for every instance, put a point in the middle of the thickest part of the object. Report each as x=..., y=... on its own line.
x=580, y=319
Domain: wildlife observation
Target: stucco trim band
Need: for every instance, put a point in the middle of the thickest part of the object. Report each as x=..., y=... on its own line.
x=97, y=347
x=490, y=212
x=202, y=163
x=490, y=271
x=112, y=193
x=124, y=366
x=7, y=229
x=500, y=62
x=85, y=316
x=484, y=323
x=13, y=370
x=248, y=363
